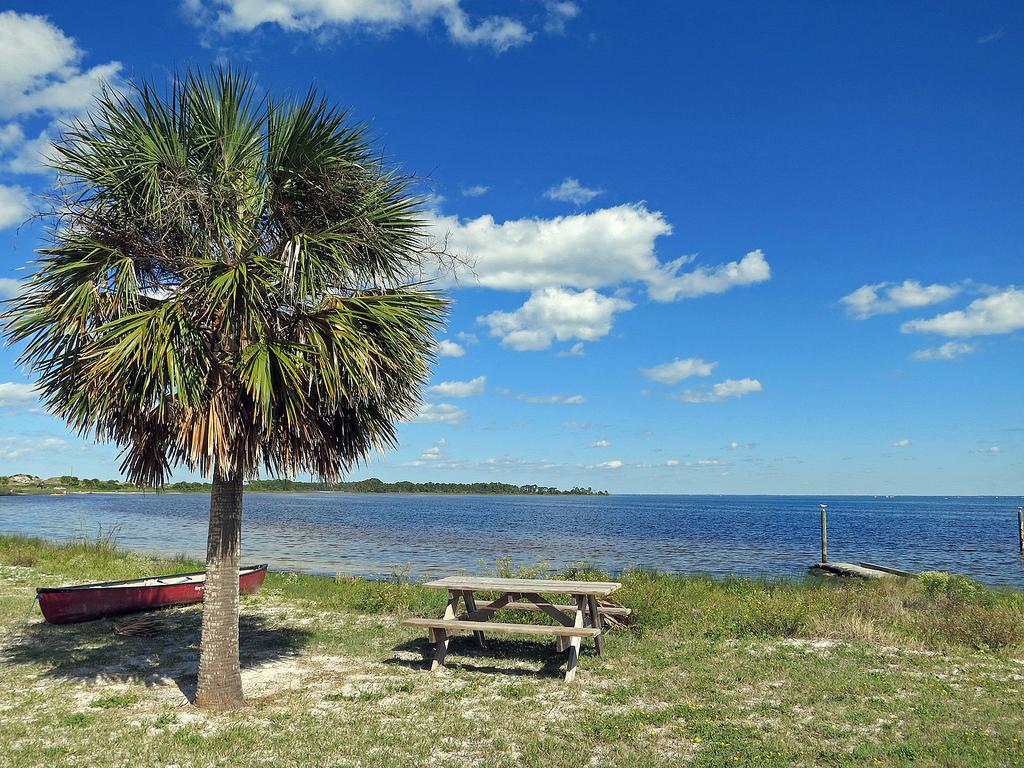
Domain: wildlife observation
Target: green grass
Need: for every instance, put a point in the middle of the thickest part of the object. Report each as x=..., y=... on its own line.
x=900, y=672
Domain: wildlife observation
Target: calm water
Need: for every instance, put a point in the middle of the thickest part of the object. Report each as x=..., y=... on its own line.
x=371, y=535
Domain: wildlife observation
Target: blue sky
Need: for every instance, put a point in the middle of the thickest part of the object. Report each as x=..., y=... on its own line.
x=717, y=247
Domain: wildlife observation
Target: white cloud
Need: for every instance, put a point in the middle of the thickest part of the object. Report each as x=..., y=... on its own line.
x=31, y=155
x=723, y=390
x=608, y=247
x=16, y=447
x=558, y=14
x=40, y=74
x=735, y=446
x=555, y=313
x=11, y=135
x=590, y=250
x=40, y=68
x=678, y=369
x=440, y=413
x=571, y=191
x=477, y=190
x=672, y=463
x=991, y=37
x=951, y=350
x=1001, y=312
x=15, y=393
x=10, y=288
x=14, y=206
x=613, y=464
x=459, y=388
x=752, y=268
x=904, y=443
x=447, y=348
x=883, y=298
x=576, y=350
x=435, y=452
x=497, y=32
x=600, y=444
x=552, y=399
x=468, y=338
x=990, y=451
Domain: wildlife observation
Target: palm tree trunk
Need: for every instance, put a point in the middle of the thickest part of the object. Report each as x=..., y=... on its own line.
x=220, y=677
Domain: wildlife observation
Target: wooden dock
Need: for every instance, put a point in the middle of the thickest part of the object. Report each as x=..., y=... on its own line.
x=865, y=570
x=857, y=570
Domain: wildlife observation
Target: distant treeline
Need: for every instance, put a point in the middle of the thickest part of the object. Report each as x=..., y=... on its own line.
x=376, y=485
x=372, y=485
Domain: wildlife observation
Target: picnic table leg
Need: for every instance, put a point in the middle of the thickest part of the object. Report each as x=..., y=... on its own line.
x=596, y=621
x=561, y=643
x=470, y=601
x=449, y=612
x=440, y=651
x=574, y=642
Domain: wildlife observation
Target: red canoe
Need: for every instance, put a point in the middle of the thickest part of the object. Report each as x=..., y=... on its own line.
x=84, y=602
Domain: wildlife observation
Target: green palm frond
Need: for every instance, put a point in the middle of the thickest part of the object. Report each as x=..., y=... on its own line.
x=228, y=284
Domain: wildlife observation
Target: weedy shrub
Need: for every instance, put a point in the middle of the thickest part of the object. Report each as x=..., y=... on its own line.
x=21, y=557
x=773, y=613
x=586, y=572
x=953, y=586
x=506, y=568
x=981, y=627
x=115, y=701
x=659, y=600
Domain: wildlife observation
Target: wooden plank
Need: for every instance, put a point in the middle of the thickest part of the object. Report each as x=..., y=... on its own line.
x=562, y=618
x=470, y=601
x=887, y=569
x=554, y=586
x=444, y=626
x=485, y=610
x=440, y=650
x=596, y=621
x=607, y=610
x=847, y=569
x=453, y=604
x=449, y=612
x=574, y=643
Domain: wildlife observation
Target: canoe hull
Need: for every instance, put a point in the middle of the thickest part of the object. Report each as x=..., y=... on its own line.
x=68, y=605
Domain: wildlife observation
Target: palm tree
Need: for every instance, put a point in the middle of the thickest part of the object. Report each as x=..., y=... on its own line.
x=229, y=284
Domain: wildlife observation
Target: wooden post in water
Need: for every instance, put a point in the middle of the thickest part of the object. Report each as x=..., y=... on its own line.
x=824, y=532
x=1020, y=527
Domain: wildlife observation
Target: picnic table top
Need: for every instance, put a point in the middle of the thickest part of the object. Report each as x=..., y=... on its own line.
x=595, y=588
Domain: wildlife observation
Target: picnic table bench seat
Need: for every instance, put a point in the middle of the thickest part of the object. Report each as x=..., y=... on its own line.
x=606, y=610
x=451, y=625
x=585, y=619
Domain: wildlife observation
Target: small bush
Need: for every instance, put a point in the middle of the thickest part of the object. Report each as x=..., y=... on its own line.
x=585, y=572
x=75, y=720
x=115, y=701
x=952, y=586
x=506, y=568
x=22, y=558
x=659, y=600
x=165, y=719
x=774, y=613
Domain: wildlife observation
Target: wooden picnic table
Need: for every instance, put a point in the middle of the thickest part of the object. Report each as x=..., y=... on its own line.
x=584, y=618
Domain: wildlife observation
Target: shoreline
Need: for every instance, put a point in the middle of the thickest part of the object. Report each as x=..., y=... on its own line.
x=703, y=671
